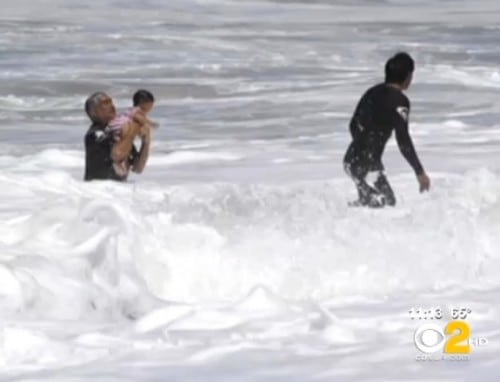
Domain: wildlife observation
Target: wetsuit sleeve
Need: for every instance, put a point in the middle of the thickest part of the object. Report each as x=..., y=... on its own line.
x=401, y=115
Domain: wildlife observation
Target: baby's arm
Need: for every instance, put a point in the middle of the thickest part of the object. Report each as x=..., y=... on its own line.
x=142, y=119
x=152, y=123
x=139, y=117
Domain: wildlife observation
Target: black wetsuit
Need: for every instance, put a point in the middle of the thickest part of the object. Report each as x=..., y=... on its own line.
x=98, y=162
x=382, y=109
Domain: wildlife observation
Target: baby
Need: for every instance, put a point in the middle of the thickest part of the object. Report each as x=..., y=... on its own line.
x=143, y=102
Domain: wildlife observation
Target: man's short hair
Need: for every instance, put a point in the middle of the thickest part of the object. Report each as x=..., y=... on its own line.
x=92, y=102
x=142, y=96
x=398, y=68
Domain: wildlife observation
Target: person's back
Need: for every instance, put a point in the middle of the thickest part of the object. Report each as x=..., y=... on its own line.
x=373, y=122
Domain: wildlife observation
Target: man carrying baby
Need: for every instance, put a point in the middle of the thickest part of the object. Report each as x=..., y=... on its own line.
x=103, y=155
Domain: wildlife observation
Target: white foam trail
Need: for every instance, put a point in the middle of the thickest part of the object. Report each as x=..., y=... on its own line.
x=183, y=157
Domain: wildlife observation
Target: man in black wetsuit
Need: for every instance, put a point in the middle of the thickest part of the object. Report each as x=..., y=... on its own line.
x=102, y=152
x=382, y=109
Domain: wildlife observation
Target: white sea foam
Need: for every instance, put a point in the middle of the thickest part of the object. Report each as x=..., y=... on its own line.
x=96, y=254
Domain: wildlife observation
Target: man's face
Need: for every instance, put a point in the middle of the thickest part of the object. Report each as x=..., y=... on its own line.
x=105, y=111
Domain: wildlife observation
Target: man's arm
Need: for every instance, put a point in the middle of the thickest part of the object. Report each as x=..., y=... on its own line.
x=405, y=143
x=125, y=149
x=140, y=160
x=122, y=149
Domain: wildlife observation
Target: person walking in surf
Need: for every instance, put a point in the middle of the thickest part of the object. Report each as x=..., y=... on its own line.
x=382, y=109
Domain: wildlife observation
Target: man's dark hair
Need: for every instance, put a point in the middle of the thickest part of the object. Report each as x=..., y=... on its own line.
x=142, y=96
x=398, y=68
x=91, y=103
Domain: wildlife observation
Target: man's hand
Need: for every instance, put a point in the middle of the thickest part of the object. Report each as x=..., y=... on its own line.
x=424, y=182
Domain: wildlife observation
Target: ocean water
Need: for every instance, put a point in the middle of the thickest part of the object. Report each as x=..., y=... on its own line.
x=234, y=256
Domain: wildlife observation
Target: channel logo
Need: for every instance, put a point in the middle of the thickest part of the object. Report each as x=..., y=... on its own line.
x=453, y=341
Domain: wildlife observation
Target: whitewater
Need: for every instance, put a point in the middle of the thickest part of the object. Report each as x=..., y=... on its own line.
x=234, y=256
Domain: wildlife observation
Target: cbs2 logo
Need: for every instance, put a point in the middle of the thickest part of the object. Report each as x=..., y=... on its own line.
x=429, y=338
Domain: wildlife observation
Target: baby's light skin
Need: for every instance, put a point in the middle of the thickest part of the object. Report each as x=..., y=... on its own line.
x=146, y=108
